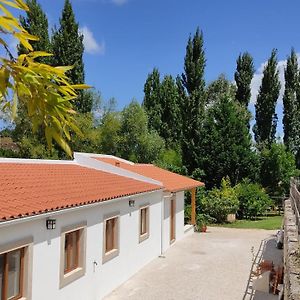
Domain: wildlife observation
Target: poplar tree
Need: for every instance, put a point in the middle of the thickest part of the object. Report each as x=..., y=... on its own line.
x=194, y=103
x=243, y=76
x=290, y=109
x=265, y=115
x=68, y=50
x=36, y=23
x=171, y=119
x=152, y=100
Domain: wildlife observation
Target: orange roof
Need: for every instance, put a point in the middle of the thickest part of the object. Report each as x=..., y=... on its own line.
x=172, y=182
x=30, y=189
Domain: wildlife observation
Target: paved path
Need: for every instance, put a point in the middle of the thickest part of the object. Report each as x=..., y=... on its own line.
x=207, y=266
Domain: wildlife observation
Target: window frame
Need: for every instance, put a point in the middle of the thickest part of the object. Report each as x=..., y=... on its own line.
x=25, y=276
x=6, y=275
x=70, y=275
x=144, y=236
x=69, y=250
x=110, y=254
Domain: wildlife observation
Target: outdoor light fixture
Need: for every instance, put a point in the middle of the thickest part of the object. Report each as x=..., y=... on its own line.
x=51, y=224
x=131, y=203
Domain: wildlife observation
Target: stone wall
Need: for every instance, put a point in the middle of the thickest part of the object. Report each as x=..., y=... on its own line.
x=291, y=254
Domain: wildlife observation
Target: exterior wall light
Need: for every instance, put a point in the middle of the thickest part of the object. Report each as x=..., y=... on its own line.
x=131, y=203
x=51, y=224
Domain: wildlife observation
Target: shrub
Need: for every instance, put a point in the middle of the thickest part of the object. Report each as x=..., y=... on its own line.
x=218, y=203
x=253, y=200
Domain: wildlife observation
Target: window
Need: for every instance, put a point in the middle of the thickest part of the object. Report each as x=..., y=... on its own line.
x=111, y=238
x=144, y=223
x=72, y=265
x=11, y=274
x=71, y=251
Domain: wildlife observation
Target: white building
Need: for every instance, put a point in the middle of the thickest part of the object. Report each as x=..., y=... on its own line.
x=77, y=230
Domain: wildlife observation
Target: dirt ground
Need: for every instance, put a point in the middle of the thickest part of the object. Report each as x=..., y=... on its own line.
x=204, y=266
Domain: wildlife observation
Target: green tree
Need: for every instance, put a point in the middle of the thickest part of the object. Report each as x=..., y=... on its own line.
x=290, y=109
x=243, y=76
x=36, y=23
x=110, y=133
x=265, y=115
x=253, y=200
x=67, y=44
x=152, y=100
x=218, y=89
x=193, y=104
x=137, y=143
x=170, y=115
x=226, y=147
x=218, y=203
x=277, y=168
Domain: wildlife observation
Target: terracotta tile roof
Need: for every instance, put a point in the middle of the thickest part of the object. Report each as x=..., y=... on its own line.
x=172, y=182
x=30, y=189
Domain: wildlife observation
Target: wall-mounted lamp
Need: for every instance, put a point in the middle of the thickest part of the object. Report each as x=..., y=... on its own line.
x=51, y=224
x=131, y=203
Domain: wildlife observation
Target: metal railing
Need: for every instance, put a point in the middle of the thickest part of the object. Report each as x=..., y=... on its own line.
x=295, y=199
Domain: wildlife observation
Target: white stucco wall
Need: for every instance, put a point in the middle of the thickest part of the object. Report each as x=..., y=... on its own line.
x=103, y=278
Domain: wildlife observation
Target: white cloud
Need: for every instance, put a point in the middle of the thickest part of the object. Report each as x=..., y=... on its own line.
x=256, y=81
x=90, y=44
x=119, y=2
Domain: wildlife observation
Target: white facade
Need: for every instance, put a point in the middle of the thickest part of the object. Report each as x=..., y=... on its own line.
x=43, y=265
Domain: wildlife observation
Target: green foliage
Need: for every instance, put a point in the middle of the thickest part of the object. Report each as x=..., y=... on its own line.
x=110, y=133
x=291, y=118
x=152, y=100
x=137, y=143
x=161, y=103
x=36, y=23
x=253, y=200
x=89, y=141
x=265, y=115
x=277, y=167
x=226, y=147
x=218, y=203
x=67, y=45
x=170, y=129
x=218, y=89
x=193, y=100
x=243, y=76
x=31, y=147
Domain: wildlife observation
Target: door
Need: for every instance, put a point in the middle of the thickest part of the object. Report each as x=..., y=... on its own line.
x=172, y=220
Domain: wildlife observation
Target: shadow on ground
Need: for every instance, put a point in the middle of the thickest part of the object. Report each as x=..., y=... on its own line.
x=266, y=251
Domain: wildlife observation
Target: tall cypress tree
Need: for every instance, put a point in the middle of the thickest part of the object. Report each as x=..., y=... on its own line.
x=68, y=50
x=265, y=115
x=243, y=76
x=152, y=100
x=290, y=114
x=194, y=103
x=36, y=23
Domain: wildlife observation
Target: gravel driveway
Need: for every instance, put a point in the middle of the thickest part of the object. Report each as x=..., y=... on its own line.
x=207, y=266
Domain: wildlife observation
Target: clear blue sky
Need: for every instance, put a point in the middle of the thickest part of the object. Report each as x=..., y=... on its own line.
x=127, y=38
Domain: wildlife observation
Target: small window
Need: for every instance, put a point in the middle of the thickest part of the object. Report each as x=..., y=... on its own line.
x=72, y=251
x=11, y=274
x=144, y=223
x=72, y=255
x=111, y=238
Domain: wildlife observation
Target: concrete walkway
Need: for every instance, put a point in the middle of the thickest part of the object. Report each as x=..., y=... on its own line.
x=204, y=266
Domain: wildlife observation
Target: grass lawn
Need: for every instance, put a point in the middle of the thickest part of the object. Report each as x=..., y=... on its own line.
x=270, y=223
